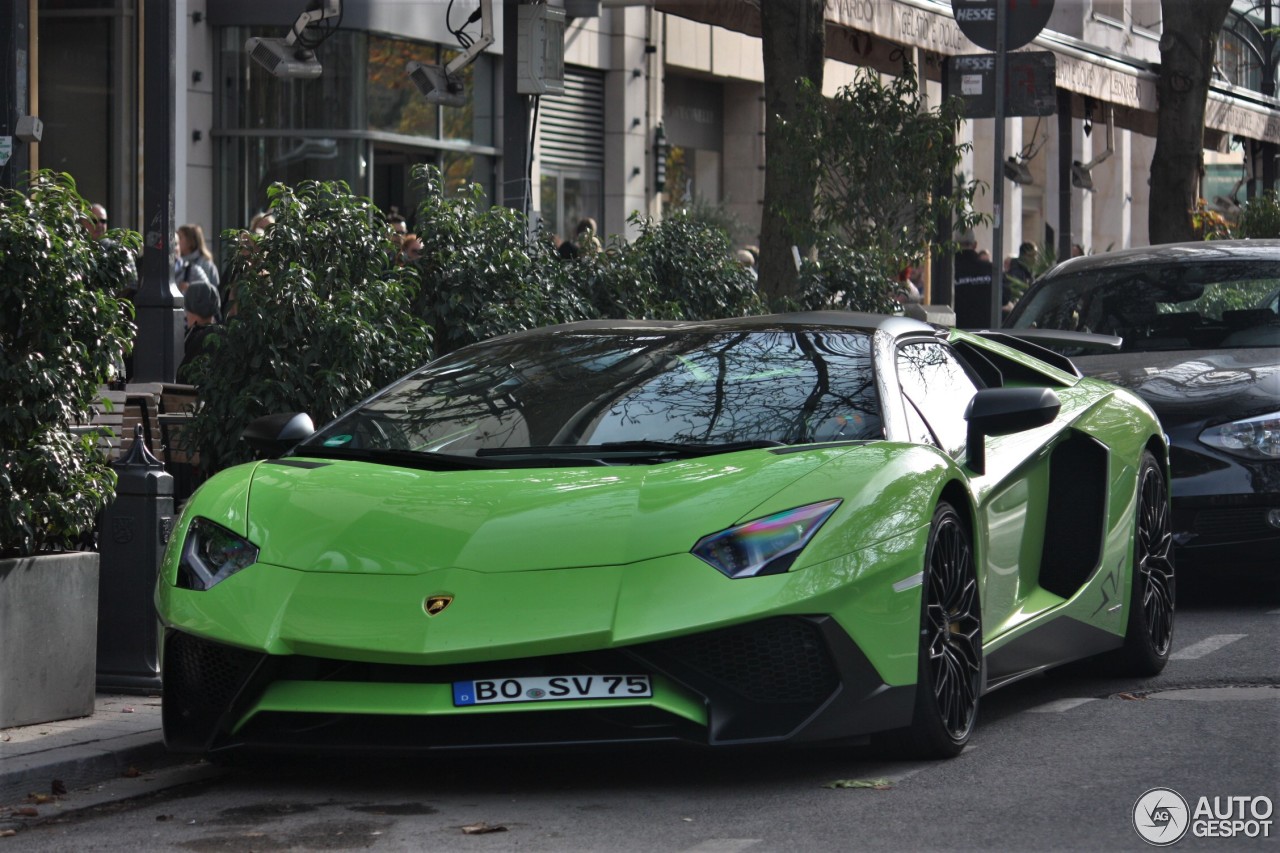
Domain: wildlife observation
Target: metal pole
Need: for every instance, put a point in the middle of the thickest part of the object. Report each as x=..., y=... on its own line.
x=997, y=175
x=1066, y=152
x=515, y=117
x=14, y=76
x=942, y=274
x=1269, y=149
x=158, y=350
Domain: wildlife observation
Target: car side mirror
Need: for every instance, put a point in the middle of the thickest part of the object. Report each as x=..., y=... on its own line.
x=272, y=435
x=1002, y=411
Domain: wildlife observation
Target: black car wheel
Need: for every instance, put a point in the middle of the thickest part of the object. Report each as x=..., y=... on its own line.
x=1149, y=632
x=950, y=668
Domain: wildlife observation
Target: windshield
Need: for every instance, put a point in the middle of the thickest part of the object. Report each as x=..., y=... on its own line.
x=1219, y=305
x=722, y=389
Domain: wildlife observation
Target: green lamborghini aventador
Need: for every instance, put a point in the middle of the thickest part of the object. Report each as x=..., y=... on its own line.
x=792, y=528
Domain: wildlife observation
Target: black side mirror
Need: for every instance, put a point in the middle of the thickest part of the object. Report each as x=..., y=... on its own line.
x=1002, y=411
x=272, y=435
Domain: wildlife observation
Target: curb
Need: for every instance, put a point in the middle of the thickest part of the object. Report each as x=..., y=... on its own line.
x=83, y=765
x=104, y=795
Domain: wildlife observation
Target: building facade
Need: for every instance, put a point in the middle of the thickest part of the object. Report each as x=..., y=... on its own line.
x=662, y=107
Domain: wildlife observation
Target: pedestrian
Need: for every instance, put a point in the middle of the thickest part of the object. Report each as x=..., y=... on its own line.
x=566, y=250
x=1019, y=270
x=748, y=262
x=261, y=223
x=202, y=306
x=96, y=223
x=193, y=252
x=397, y=222
x=585, y=236
x=973, y=281
x=411, y=247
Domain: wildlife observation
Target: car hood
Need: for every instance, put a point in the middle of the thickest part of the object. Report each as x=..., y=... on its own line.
x=344, y=516
x=1189, y=386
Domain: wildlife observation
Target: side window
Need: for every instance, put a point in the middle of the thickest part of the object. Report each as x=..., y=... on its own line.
x=936, y=384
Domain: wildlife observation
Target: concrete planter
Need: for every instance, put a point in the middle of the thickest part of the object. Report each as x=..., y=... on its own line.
x=48, y=637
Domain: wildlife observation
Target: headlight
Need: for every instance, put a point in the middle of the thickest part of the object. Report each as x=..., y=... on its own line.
x=1253, y=438
x=211, y=554
x=766, y=546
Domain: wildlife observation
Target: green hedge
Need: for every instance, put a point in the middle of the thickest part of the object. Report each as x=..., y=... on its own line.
x=63, y=332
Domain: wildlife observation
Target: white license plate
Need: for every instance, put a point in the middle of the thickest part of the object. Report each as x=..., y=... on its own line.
x=494, y=691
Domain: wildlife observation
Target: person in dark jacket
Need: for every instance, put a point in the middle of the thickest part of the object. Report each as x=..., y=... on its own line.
x=202, y=306
x=973, y=280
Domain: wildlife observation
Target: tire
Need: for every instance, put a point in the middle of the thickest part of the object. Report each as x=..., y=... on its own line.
x=1149, y=630
x=949, y=675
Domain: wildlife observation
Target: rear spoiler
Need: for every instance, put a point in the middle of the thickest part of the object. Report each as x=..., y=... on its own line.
x=1037, y=343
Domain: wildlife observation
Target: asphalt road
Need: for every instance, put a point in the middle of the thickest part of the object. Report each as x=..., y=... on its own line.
x=1058, y=763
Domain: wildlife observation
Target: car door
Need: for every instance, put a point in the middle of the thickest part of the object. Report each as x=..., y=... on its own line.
x=937, y=386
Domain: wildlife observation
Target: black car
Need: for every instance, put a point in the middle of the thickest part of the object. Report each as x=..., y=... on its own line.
x=1195, y=330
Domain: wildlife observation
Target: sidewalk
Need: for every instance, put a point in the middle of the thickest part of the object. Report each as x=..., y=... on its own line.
x=122, y=736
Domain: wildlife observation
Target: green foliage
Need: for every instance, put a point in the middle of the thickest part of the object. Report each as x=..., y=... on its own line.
x=1259, y=217
x=63, y=332
x=480, y=274
x=681, y=268
x=881, y=159
x=714, y=215
x=320, y=317
x=850, y=279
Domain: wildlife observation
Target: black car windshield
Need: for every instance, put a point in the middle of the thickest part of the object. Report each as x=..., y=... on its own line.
x=623, y=392
x=1182, y=305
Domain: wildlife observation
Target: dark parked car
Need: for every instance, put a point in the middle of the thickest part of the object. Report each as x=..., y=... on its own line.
x=1199, y=339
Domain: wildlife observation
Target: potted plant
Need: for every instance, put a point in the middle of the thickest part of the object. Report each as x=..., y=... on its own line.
x=63, y=331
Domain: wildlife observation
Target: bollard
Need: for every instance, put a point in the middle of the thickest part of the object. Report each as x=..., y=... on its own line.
x=131, y=540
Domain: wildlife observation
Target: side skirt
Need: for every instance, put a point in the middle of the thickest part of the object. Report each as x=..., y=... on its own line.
x=1058, y=641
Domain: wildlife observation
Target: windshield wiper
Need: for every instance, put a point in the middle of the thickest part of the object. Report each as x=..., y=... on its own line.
x=405, y=458
x=626, y=449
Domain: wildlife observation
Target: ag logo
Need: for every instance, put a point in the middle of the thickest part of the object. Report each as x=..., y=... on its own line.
x=433, y=604
x=1161, y=816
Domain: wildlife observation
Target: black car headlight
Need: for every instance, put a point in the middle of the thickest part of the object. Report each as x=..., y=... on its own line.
x=211, y=554
x=1251, y=438
x=765, y=546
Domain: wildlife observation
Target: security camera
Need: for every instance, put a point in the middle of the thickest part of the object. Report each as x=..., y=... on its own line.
x=436, y=84
x=1080, y=178
x=1017, y=172
x=284, y=60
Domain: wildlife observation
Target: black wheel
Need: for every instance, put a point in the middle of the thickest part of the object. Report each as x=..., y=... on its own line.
x=949, y=677
x=1149, y=631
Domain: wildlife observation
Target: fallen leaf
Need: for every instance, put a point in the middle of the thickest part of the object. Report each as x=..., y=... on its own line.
x=38, y=799
x=482, y=828
x=26, y=811
x=132, y=773
x=1131, y=696
x=58, y=787
x=873, y=784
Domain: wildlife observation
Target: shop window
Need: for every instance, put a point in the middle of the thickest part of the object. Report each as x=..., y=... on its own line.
x=88, y=81
x=568, y=197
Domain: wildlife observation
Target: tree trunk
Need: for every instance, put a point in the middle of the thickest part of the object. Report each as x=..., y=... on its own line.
x=1186, y=66
x=794, y=47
